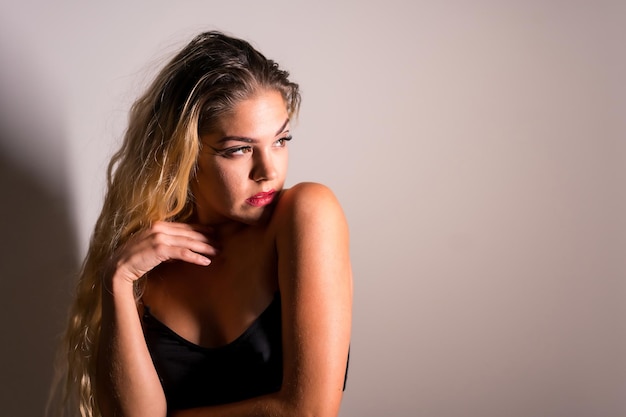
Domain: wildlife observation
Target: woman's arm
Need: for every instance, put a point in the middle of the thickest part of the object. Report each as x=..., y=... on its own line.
x=127, y=383
x=315, y=282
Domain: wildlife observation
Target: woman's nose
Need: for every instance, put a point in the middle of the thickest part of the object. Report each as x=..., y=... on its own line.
x=264, y=168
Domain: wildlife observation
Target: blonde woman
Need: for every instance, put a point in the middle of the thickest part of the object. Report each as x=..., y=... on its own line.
x=209, y=289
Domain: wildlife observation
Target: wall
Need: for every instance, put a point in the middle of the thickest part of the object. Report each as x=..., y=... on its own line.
x=478, y=149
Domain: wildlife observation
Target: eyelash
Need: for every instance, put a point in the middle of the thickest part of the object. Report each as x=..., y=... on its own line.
x=284, y=140
x=232, y=152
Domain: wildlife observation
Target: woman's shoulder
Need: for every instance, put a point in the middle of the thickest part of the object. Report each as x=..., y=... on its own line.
x=306, y=191
x=306, y=198
x=307, y=205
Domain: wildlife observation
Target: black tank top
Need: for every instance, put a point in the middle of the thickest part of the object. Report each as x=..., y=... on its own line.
x=196, y=376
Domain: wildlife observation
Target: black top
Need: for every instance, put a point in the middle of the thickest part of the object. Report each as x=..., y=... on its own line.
x=194, y=376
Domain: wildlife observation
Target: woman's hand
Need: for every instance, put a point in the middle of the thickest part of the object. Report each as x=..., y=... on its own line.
x=164, y=241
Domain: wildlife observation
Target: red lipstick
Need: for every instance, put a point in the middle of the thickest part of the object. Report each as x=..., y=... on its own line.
x=261, y=199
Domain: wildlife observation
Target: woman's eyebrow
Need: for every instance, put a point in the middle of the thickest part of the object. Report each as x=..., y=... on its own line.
x=251, y=140
x=237, y=138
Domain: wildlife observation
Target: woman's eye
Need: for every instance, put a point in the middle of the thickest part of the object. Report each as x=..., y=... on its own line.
x=282, y=142
x=240, y=150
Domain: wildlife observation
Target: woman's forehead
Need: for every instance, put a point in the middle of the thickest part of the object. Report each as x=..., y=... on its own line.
x=262, y=115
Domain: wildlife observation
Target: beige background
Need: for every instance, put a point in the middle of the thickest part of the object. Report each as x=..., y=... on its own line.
x=478, y=148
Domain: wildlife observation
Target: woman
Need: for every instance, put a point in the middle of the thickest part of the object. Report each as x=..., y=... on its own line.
x=208, y=288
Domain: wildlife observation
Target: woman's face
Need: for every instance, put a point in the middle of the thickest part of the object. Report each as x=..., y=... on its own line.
x=243, y=162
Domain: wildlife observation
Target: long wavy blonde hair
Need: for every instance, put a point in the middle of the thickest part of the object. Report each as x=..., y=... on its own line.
x=148, y=180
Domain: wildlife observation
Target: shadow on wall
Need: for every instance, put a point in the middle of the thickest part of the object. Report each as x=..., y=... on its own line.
x=38, y=252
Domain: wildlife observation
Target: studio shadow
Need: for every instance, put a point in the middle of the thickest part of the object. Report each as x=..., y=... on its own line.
x=37, y=267
x=38, y=255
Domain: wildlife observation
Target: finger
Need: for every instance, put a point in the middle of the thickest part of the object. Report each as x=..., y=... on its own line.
x=194, y=231
x=194, y=245
x=192, y=241
x=169, y=247
x=164, y=252
x=194, y=257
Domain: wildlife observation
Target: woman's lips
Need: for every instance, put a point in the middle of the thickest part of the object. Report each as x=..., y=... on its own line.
x=261, y=199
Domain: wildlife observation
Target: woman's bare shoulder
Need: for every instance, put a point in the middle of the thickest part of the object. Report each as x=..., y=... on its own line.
x=305, y=209
x=311, y=194
x=304, y=202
